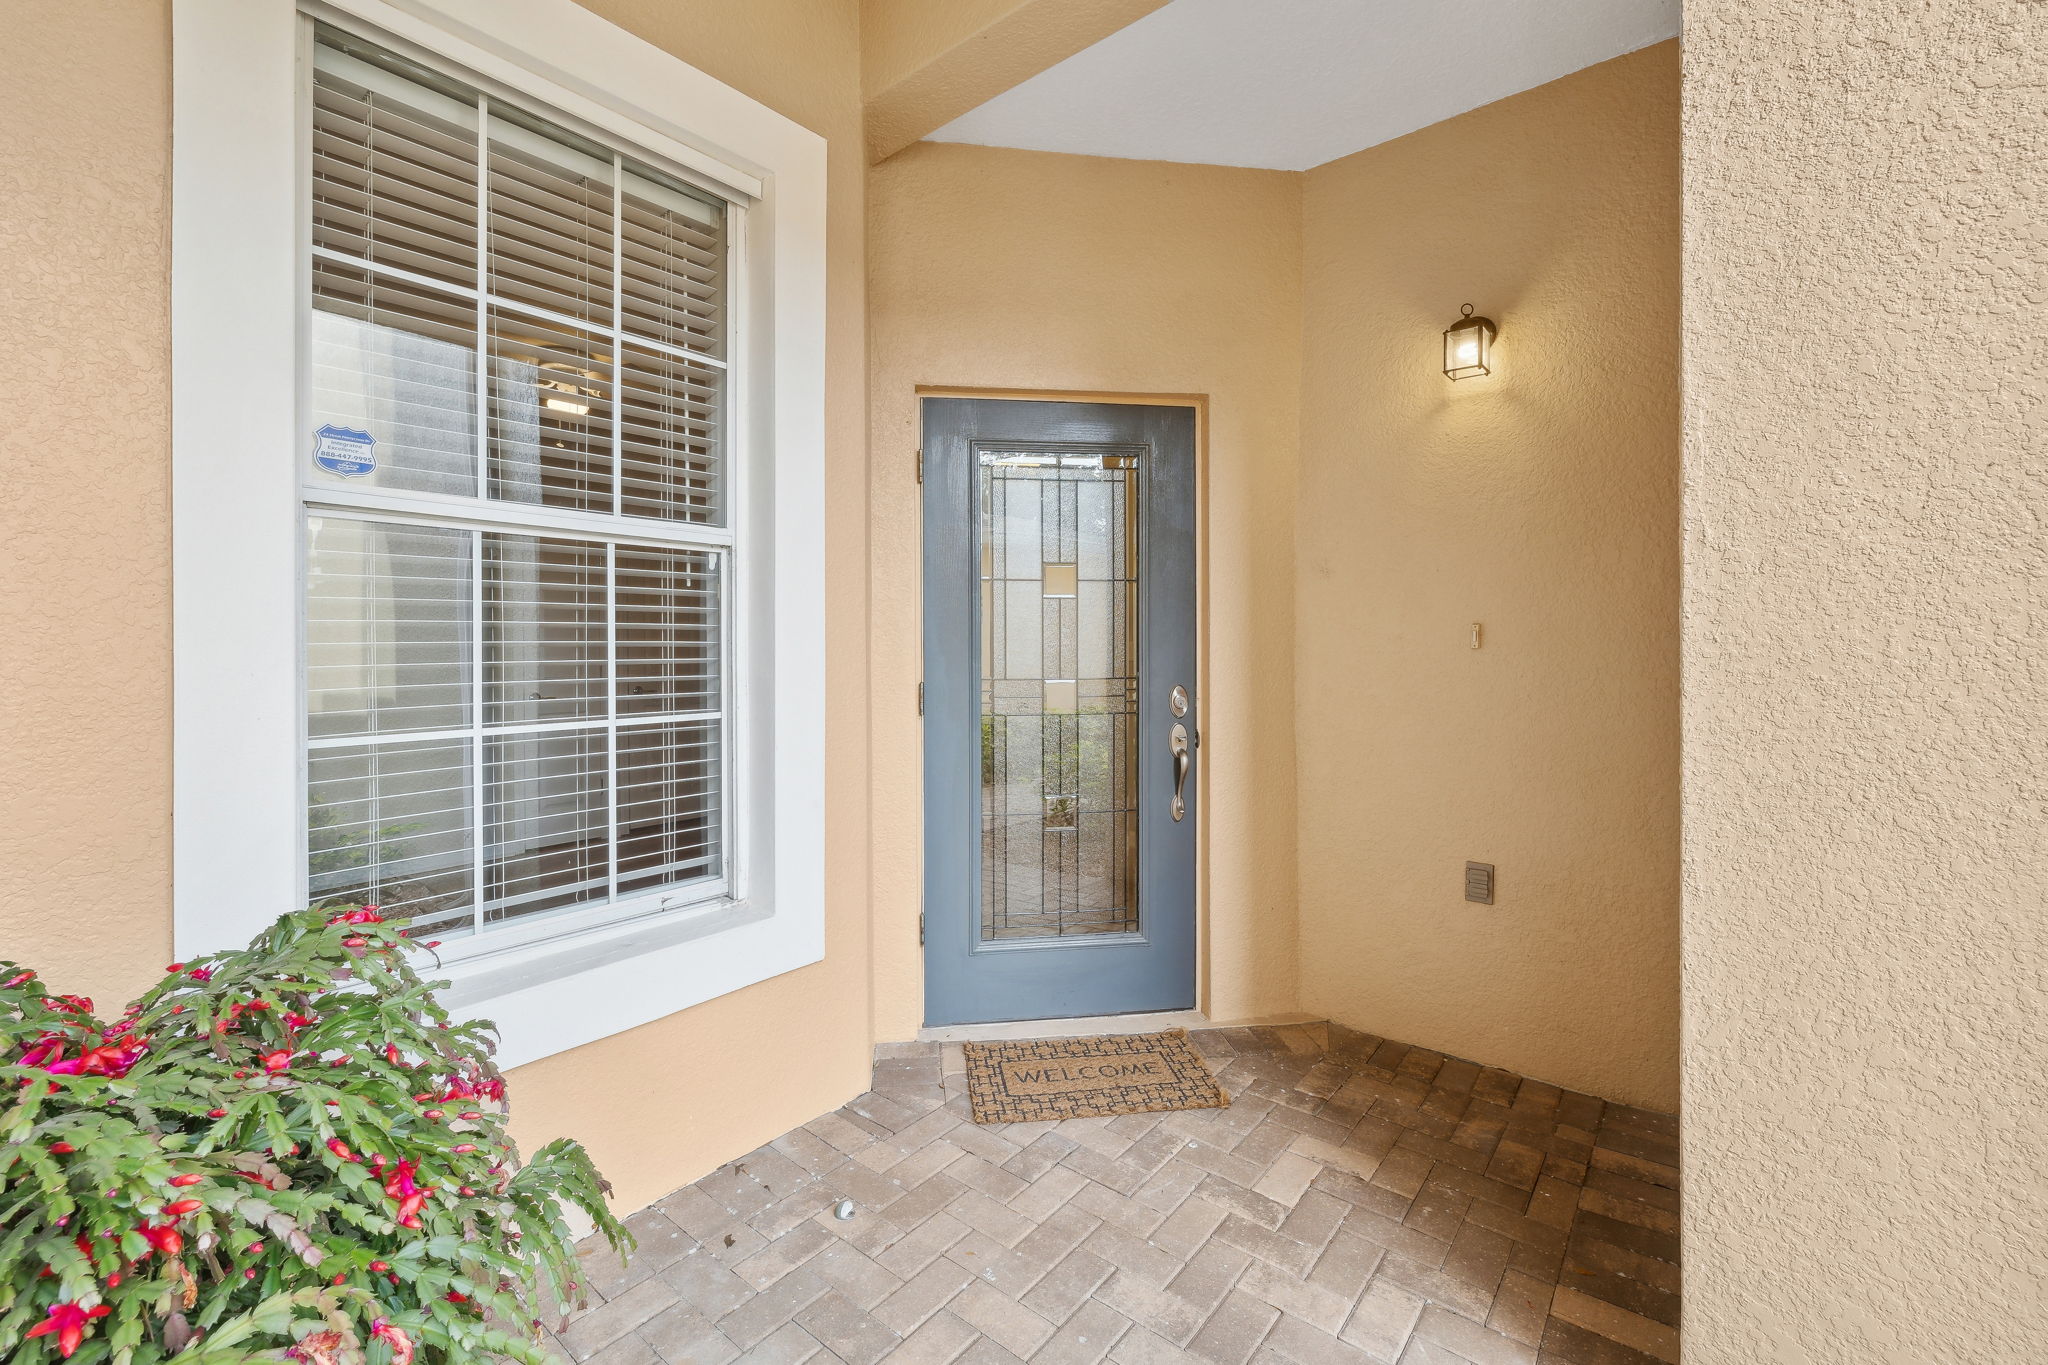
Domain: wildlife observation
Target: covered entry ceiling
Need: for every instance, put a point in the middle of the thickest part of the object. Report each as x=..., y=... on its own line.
x=1290, y=84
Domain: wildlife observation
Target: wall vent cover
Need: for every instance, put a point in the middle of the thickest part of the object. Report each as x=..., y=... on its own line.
x=1479, y=883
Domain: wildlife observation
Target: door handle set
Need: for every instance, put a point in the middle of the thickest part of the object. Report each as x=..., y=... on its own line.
x=1183, y=754
x=1181, y=760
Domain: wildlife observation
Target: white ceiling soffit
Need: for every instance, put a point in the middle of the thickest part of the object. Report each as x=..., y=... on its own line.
x=1290, y=84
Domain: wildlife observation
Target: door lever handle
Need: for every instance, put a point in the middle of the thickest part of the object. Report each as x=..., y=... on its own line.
x=1182, y=759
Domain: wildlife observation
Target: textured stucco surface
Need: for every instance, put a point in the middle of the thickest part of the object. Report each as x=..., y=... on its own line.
x=85, y=621
x=85, y=639
x=663, y=1104
x=1866, y=588
x=899, y=36
x=1542, y=502
x=926, y=62
x=1007, y=269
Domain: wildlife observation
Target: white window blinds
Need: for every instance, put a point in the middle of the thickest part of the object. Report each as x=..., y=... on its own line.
x=516, y=684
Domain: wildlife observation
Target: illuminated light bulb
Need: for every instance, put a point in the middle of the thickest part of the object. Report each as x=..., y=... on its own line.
x=1468, y=346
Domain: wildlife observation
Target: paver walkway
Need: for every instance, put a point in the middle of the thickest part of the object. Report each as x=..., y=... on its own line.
x=1359, y=1201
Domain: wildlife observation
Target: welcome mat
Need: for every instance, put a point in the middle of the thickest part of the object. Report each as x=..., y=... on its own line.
x=1084, y=1078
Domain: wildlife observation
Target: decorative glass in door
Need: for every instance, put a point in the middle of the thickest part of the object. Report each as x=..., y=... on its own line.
x=1059, y=649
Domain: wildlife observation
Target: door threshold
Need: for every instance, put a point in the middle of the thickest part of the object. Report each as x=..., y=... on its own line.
x=1064, y=1028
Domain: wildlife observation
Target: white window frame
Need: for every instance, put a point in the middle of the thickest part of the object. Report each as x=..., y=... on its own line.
x=238, y=283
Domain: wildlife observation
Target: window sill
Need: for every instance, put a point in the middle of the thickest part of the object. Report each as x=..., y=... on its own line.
x=560, y=994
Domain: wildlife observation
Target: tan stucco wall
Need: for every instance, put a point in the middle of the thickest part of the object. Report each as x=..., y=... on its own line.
x=1866, y=1119
x=926, y=62
x=1019, y=270
x=1027, y=270
x=85, y=617
x=1542, y=502
x=663, y=1104
x=899, y=36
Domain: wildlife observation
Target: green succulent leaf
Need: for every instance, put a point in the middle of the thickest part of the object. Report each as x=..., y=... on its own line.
x=286, y=1148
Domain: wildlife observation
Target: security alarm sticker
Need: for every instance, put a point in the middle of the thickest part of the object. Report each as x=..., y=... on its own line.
x=344, y=451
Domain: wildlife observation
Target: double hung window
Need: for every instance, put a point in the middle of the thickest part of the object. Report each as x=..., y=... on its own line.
x=519, y=514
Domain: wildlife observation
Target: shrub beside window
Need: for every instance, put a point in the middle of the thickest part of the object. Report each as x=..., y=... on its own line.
x=288, y=1151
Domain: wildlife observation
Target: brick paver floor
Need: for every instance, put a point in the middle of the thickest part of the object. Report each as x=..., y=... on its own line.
x=1359, y=1201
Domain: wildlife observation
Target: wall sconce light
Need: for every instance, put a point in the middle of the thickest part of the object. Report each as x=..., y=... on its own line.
x=1468, y=346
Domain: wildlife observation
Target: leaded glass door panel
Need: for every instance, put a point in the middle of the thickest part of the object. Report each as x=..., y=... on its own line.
x=1059, y=731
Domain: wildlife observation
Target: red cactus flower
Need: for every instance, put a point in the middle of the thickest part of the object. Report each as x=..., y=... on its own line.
x=165, y=1237
x=367, y=915
x=201, y=974
x=295, y=1022
x=401, y=1344
x=43, y=1050
x=183, y=1207
x=113, y=1056
x=454, y=1297
x=340, y=1149
x=68, y=1321
x=62, y=1148
x=318, y=1348
x=274, y=1062
x=175, y=967
x=216, y=1113
x=191, y=1178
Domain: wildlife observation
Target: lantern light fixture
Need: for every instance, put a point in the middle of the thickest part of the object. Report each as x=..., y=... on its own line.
x=1468, y=346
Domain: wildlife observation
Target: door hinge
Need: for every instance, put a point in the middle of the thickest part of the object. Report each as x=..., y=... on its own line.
x=920, y=699
x=920, y=465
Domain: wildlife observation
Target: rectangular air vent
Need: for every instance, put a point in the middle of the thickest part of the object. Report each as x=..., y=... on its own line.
x=1479, y=883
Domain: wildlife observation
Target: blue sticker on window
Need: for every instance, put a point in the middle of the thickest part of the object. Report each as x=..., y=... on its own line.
x=344, y=451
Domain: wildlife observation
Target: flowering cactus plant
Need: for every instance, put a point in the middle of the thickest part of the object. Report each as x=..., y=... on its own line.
x=285, y=1152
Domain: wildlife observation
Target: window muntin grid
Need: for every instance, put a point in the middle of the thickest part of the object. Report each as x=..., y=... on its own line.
x=507, y=721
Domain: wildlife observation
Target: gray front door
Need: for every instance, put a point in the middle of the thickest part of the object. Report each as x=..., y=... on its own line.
x=1059, y=709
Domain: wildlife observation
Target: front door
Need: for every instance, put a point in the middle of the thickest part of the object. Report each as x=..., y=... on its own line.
x=1059, y=709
